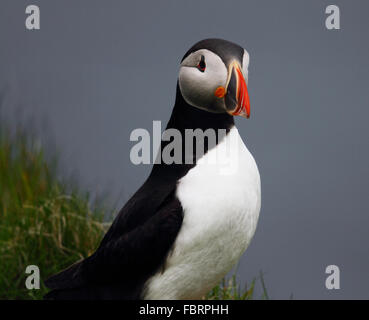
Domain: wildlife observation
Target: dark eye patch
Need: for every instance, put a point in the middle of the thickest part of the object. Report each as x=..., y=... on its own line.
x=202, y=65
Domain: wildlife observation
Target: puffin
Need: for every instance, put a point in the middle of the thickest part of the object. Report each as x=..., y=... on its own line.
x=191, y=220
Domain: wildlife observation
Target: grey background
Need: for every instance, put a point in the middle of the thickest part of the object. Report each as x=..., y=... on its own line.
x=99, y=69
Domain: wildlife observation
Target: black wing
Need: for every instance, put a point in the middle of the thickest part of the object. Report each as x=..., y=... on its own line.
x=134, y=248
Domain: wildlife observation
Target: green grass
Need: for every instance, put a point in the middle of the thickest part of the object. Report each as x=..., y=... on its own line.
x=40, y=222
x=44, y=224
x=231, y=290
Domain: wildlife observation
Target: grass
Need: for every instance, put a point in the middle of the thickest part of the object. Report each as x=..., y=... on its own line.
x=45, y=222
x=40, y=222
x=231, y=290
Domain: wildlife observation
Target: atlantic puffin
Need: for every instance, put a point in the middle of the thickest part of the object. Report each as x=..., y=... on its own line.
x=190, y=222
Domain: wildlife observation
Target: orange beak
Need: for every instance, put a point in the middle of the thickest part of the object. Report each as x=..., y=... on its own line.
x=237, y=97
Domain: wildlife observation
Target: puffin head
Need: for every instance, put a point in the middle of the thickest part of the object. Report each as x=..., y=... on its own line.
x=213, y=77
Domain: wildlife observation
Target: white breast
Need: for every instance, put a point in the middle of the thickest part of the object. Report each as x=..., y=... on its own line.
x=220, y=197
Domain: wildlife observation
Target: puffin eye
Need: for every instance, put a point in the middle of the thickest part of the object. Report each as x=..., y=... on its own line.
x=201, y=66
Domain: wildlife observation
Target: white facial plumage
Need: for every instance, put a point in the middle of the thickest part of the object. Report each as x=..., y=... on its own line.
x=198, y=86
x=245, y=65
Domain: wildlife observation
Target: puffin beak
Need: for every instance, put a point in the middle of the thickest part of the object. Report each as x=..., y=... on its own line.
x=237, y=97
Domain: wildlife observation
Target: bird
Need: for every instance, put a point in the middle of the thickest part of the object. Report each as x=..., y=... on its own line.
x=190, y=222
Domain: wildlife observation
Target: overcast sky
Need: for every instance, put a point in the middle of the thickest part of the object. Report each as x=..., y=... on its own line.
x=96, y=70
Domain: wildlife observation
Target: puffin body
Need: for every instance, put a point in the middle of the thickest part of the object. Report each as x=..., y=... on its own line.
x=192, y=219
x=221, y=210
